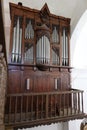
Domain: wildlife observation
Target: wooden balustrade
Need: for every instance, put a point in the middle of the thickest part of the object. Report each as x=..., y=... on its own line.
x=30, y=107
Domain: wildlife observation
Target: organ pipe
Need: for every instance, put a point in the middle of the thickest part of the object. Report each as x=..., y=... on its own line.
x=13, y=49
x=55, y=56
x=40, y=51
x=29, y=53
x=37, y=50
x=43, y=50
x=29, y=31
x=47, y=50
x=20, y=43
x=64, y=48
x=17, y=42
x=43, y=45
x=55, y=36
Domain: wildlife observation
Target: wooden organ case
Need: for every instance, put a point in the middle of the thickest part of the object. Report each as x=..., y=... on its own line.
x=39, y=90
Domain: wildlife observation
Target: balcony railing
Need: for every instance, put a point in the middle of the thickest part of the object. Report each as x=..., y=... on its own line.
x=43, y=108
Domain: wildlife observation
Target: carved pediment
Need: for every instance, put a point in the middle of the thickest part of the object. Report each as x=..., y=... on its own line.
x=45, y=14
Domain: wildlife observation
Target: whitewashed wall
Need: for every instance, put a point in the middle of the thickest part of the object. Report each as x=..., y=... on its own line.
x=58, y=126
x=79, y=76
x=79, y=81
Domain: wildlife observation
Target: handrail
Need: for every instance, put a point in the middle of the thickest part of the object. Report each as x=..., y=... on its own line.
x=30, y=107
x=48, y=93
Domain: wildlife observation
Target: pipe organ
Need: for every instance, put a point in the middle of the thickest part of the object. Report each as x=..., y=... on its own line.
x=39, y=50
x=38, y=40
x=39, y=68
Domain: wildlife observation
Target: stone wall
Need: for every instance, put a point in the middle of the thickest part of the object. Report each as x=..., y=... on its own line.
x=3, y=83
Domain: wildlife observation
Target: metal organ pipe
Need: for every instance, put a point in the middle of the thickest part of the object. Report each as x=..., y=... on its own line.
x=55, y=36
x=37, y=51
x=64, y=48
x=47, y=48
x=29, y=54
x=14, y=44
x=53, y=56
x=43, y=50
x=29, y=34
x=40, y=51
x=17, y=42
x=56, y=57
x=32, y=32
x=29, y=31
x=20, y=43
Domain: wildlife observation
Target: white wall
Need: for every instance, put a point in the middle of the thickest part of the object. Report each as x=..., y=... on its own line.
x=58, y=126
x=78, y=61
x=79, y=81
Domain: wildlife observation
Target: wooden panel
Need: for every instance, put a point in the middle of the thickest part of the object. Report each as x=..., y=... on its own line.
x=14, y=81
x=65, y=80
x=40, y=81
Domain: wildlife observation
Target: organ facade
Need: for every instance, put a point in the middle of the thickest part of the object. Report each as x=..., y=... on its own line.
x=39, y=73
